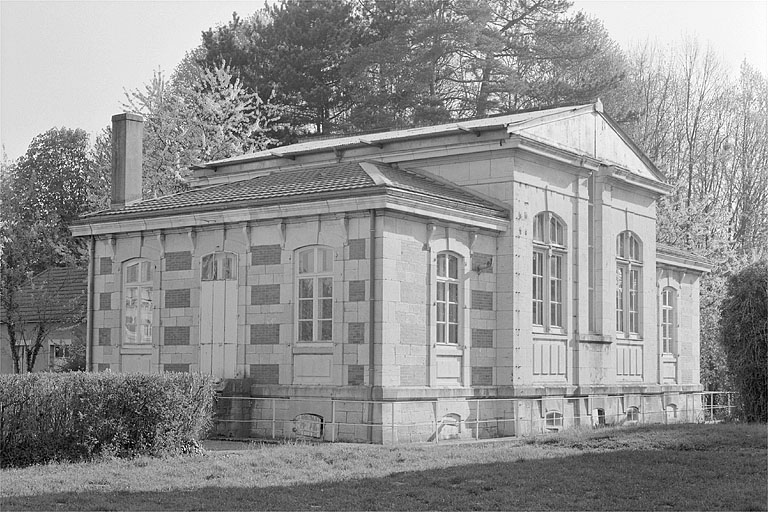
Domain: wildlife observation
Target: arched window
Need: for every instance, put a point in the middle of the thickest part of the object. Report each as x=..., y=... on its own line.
x=314, y=311
x=671, y=413
x=629, y=266
x=668, y=297
x=448, y=298
x=548, y=271
x=554, y=420
x=633, y=415
x=137, y=303
x=219, y=266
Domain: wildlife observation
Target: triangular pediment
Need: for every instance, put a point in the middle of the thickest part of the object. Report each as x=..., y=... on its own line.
x=590, y=132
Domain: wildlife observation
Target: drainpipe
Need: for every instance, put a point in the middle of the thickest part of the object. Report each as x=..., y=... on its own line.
x=89, y=304
x=371, y=320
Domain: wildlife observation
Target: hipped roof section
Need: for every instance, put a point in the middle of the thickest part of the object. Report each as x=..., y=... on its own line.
x=341, y=180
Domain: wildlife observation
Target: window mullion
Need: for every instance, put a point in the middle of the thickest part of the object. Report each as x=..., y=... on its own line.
x=547, y=287
x=316, y=324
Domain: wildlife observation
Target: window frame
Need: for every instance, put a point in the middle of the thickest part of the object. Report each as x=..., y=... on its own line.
x=145, y=286
x=219, y=266
x=553, y=421
x=54, y=361
x=629, y=274
x=668, y=324
x=549, y=266
x=450, y=282
x=322, y=307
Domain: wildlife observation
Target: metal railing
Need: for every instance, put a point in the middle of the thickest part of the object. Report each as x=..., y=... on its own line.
x=444, y=419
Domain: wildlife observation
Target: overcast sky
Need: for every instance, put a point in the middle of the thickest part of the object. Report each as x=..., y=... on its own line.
x=67, y=63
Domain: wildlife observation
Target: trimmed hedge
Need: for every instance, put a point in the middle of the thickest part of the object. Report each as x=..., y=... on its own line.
x=78, y=416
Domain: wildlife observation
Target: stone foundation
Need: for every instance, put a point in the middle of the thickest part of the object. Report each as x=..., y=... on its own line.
x=358, y=419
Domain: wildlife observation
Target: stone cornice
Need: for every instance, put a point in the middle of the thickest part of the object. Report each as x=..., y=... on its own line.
x=403, y=203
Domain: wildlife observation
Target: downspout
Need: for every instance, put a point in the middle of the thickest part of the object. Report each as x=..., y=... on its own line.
x=89, y=305
x=371, y=320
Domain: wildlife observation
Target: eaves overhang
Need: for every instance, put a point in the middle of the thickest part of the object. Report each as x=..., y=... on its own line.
x=347, y=143
x=667, y=256
x=383, y=199
x=381, y=139
x=628, y=178
x=572, y=158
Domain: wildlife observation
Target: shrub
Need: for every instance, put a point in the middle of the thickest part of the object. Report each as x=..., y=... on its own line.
x=78, y=416
x=744, y=324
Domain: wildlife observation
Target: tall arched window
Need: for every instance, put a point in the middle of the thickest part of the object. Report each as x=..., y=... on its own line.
x=548, y=271
x=668, y=297
x=448, y=298
x=314, y=266
x=629, y=266
x=137, y=303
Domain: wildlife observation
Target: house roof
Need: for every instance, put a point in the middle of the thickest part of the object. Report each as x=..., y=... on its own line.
x=55, y=295
x=670, y=255
x=374, y=139
x=319, y=183
x=580, y=130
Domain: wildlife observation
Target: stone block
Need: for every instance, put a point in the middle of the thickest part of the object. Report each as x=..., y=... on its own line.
x=265, y=254
x=265, y=294
x=181, y=260
x=357, y=249
x=105, y=266
x=176, y=335
x=482, y=300
x=482, y=338
x=356, y=291
x=177, y=298
x=413, y=375
x=105, y=336
x=265, y=373
x=265, y=334
x=482, y=376
x=356, y=332
x=356, y=375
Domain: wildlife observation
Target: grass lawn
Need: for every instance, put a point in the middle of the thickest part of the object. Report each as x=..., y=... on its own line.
x=676, y=467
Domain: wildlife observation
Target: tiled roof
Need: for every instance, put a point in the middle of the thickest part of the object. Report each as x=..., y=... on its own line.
x=422, y=183
x=304, y=185
x=55, y=295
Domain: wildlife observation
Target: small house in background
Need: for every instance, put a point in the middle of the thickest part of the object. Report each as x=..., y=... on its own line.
x=405, y=275
x=50, y=314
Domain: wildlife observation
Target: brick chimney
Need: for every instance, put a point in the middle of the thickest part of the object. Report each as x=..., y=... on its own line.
x=127, y=132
